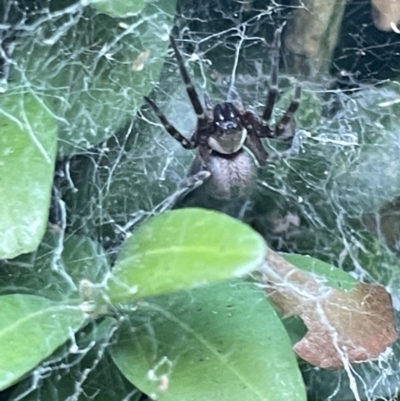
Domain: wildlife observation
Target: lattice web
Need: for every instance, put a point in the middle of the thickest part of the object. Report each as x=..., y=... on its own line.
x=337, y=201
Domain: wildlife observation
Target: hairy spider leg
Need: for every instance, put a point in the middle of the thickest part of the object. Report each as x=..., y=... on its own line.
x=285, y=124
x=191, y=91
x=187, y=144
x=273, y=81
x=286, y=119
x=293, y=151
x=254, y=144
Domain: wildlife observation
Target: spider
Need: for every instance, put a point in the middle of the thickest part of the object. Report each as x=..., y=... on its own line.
x=228, y=136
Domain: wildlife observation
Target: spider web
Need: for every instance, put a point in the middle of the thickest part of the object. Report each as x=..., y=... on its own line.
x=337, y=201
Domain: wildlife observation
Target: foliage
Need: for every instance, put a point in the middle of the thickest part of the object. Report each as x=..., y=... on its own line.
x=174, y=337
x=118, y=296
x=206, y=316
x=29, y=132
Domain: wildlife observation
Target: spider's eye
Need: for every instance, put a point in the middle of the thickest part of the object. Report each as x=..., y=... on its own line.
x=226, y=117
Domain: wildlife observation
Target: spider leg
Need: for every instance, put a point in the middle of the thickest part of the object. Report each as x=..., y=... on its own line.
x=254, y=144
x=194, y=180
x=191, y=91
x=293, y=151
x=284, y=127
x=204, y=153
x=187, y=144
x=257, y=148
x=198, y=172
x=273, y=82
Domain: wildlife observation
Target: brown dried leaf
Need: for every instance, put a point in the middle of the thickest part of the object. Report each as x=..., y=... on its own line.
x=354, y=326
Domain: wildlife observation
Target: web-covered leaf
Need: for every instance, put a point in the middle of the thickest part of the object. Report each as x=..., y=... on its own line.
x=118, y=8
x=86, y=371
x=27, y=157
x=183, y=249
x=31, y=329
x=348, y=322
x=91, y=69
x=90, y=65
x=56, y=268
x=226, y=335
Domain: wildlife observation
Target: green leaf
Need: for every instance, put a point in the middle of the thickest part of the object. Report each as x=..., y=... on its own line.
x=220, y=342
x=331, y=275
x=310, y=110
x=31, y=328
x=294, y=326
x=55, y=270
x=372, y=179
x=183, y=249
x=87, y=374
x=118, y=8
x=28, y=144
x=375, y=257
x=95, y=73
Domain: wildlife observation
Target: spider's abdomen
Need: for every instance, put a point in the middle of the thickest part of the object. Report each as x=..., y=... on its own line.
x=231, y=177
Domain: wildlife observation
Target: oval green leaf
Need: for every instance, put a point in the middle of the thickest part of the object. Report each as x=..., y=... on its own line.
x=31, y=328
x=183, y=249
x=90, y=375
x=28, y=146
x=96, y=73
x=118, y=8
x=56, y=268
x=331, y=275
x=220, y=342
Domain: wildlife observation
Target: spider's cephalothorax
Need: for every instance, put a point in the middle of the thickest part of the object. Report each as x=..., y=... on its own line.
x=228, y=134
x=225, y=131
